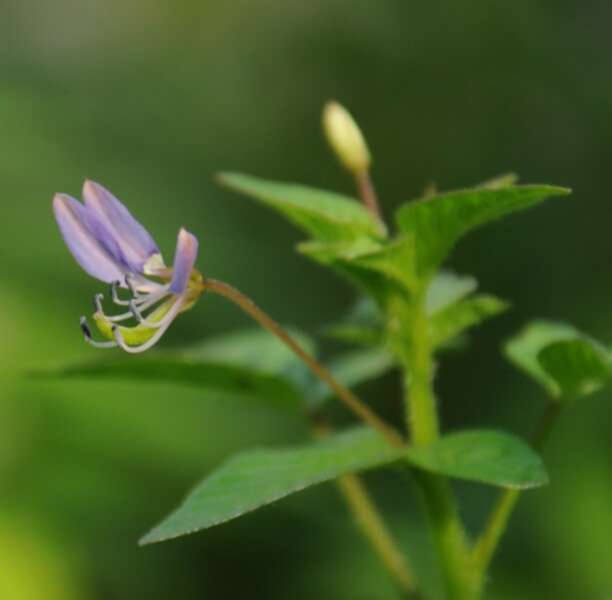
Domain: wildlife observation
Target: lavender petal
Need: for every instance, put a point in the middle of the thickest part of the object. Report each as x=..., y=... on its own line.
x=76, y=224
x=184, y=260
x=119, y=227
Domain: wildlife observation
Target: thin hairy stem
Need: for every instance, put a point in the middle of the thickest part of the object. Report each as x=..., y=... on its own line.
x=372, y=525
x=486, y=545
x=344, y=394
x=422, y=418
x=370, y=522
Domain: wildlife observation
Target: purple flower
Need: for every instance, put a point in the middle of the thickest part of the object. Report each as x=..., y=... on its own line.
x=115, y=248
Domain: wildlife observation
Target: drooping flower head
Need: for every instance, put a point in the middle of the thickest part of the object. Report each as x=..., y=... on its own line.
x=110, y=245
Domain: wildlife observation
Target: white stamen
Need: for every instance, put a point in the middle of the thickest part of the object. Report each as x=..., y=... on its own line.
x=145, y=304
x=163, y=325
x=135, y=312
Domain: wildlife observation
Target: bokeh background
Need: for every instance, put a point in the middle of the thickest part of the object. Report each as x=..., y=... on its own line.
x=152, y=98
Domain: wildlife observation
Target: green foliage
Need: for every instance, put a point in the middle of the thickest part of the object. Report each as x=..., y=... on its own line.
x=437, y=223
x=362, y=325
x=351, y=260
x=250, y=364
x=395, y=260
x=210, y=376
x=485, y=456
x=450, y=322
x=255, y=478
x=566, y=362
x=579, y=367
x=447, y=288
x=324, y=215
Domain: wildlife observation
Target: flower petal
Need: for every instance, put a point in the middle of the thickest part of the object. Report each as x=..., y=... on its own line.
x=184, y=259
x=78, y=230
x=132, y=239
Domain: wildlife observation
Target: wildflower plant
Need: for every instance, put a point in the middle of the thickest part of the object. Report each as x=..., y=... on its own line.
x=409, y=311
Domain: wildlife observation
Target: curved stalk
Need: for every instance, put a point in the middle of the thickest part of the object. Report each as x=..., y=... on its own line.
x=344, y=394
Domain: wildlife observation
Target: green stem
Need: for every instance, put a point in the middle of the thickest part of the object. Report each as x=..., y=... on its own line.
x=374, y=529
x=422, y=418
x=371, y=523
x=485, y=547
x=421, y=413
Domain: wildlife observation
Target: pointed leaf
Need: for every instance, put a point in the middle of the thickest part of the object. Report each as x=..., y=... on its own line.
x=437, y=223
x=447, y=288
x=566, y=362
x=485, y=456
x=255, y=478
x=450, y=322
x=324, y=215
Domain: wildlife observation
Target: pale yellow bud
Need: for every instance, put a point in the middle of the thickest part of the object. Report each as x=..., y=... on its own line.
x=345, y=137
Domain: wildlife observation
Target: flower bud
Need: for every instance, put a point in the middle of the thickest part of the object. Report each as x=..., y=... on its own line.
x=345, y=137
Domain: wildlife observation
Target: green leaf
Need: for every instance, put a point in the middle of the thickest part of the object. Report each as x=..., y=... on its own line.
x=566, y=362
x=211, y=377
x=255, y=478
x=453, y=320
x=342, y=257
x=325, y=215
x=249, y=364
x=579, y=367
x=437, y=223
x=361, y=325
x=394, y=259
x=485, y=456
x=447, y=288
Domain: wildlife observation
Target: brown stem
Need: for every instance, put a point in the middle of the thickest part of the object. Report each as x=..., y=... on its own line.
x=367, y=193
x=344, y=394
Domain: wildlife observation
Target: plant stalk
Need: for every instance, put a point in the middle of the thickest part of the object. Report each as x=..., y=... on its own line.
x=367, y=193
x=371, y=523
x=373, y=528
x=422, y=418
x=485, y=547
x=351, y=401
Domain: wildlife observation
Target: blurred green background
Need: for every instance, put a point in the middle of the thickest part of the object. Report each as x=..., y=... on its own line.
x=151, y=99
